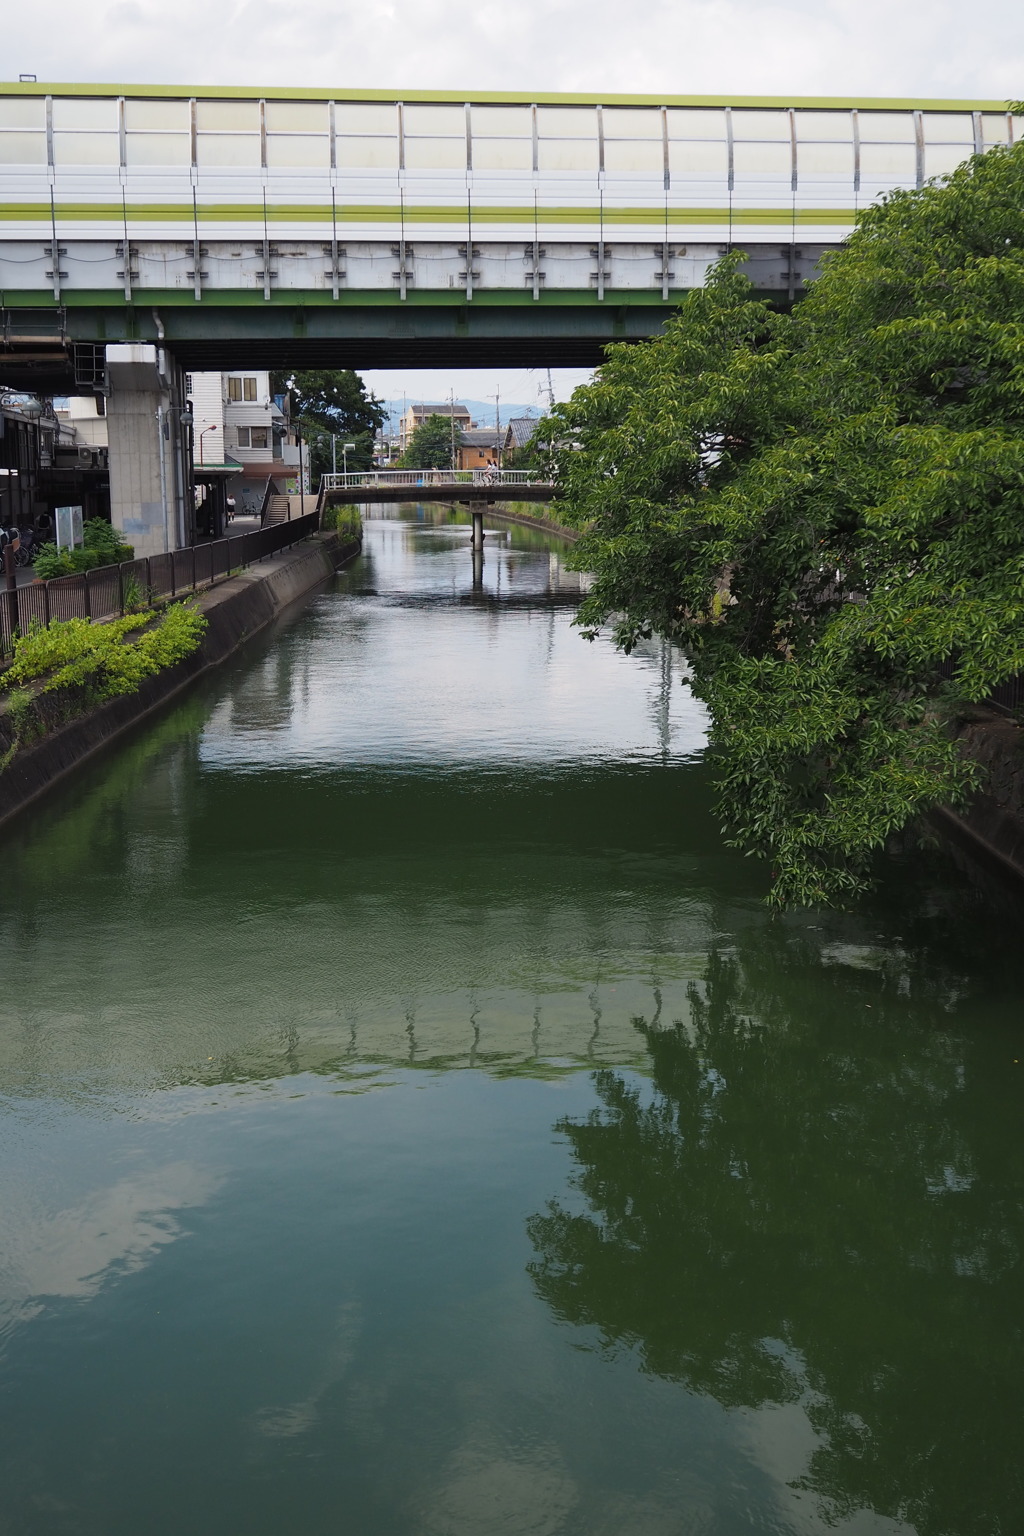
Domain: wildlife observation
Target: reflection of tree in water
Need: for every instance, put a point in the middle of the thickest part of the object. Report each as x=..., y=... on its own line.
x=819, y=1197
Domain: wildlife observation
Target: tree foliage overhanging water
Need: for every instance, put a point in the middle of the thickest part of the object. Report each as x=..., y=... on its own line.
x=827, y=509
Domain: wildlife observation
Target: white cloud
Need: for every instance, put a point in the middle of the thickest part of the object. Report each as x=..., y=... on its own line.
x=671, y=46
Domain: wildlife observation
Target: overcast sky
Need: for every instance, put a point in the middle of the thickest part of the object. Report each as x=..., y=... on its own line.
x=811, y=47
x=806, y=47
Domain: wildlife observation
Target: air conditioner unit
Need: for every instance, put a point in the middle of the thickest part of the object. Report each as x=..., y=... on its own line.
x=85, y=456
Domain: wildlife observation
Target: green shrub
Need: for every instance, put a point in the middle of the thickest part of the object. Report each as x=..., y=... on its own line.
x=105, y=541
x=76, y=653
x=102, y=545
x=51, y=561
x=19, y=714
x=343, y=520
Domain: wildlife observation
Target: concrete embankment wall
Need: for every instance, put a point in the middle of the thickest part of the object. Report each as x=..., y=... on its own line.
x=235, y=610
x=519, y=512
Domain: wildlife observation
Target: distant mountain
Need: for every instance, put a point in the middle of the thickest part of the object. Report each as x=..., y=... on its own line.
x=482, y=411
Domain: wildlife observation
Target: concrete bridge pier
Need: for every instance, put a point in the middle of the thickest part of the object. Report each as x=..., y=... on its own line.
x=152, y=501
x=478, y=529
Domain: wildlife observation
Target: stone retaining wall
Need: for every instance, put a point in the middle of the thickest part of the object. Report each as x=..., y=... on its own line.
x=515, y=513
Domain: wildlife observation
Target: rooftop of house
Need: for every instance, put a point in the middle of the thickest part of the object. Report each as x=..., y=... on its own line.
x=480, y=437
x=521, y=429
x=438, y=408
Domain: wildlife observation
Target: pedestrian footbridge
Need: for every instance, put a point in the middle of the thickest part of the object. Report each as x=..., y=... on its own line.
x=296, y=228
x=474, y=487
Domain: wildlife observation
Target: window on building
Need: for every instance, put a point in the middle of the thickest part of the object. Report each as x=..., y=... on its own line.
x=241, y=389
x=188, y=383
x=253, y=437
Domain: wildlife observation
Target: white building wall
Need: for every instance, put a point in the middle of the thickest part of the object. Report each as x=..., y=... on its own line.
x=82, y=416
x=259, y=412
x=206, y=391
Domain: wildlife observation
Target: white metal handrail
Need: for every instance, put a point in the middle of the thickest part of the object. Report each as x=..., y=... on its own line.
x=430, y=477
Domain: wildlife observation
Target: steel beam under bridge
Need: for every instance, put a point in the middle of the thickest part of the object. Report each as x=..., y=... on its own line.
x=422, y=334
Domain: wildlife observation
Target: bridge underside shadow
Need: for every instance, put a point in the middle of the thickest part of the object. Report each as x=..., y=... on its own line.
x=445, y=491
x=60, y=351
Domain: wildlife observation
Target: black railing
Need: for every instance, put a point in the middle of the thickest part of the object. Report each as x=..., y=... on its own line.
x=111, y=590
x=269, y=492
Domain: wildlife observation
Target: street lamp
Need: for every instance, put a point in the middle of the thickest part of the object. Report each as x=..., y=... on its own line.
x=346, y=448
x=201, y=436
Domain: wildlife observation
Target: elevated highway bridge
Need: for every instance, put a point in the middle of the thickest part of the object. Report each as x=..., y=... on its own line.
x=293, y=228
x=150, y=230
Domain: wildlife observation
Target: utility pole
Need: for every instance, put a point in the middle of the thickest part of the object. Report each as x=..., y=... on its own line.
x=451, y=402
x=497, y=426
x=551, y=446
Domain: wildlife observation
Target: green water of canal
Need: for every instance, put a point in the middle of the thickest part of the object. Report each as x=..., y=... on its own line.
x=412, y=1123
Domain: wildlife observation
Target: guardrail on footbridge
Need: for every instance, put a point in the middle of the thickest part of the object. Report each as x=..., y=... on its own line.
x=400, y=478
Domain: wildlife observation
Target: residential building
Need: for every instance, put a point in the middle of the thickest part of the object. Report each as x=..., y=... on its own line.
x=416, y=415
x=239, y=424
x=26, y=450
x=479, y=446
x=241, y=437
x=386, y=448
x=519, y=432
x=85, y=417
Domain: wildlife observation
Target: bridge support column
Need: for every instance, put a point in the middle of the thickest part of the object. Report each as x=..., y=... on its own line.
x=150, y=450
x=478, y=530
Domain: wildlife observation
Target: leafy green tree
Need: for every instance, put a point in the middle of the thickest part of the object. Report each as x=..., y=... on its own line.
x=332, y=402
x=430, y=446
x=826, y=508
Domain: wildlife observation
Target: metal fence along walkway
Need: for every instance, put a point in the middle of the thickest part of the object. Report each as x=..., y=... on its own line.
x=112, y=590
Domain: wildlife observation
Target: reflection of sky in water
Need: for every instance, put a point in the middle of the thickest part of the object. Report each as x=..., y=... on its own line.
x=287, y=1291
x=113, y=1231
x=429, y=678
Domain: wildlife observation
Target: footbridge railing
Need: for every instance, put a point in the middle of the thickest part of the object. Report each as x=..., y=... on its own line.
x=415, y=478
